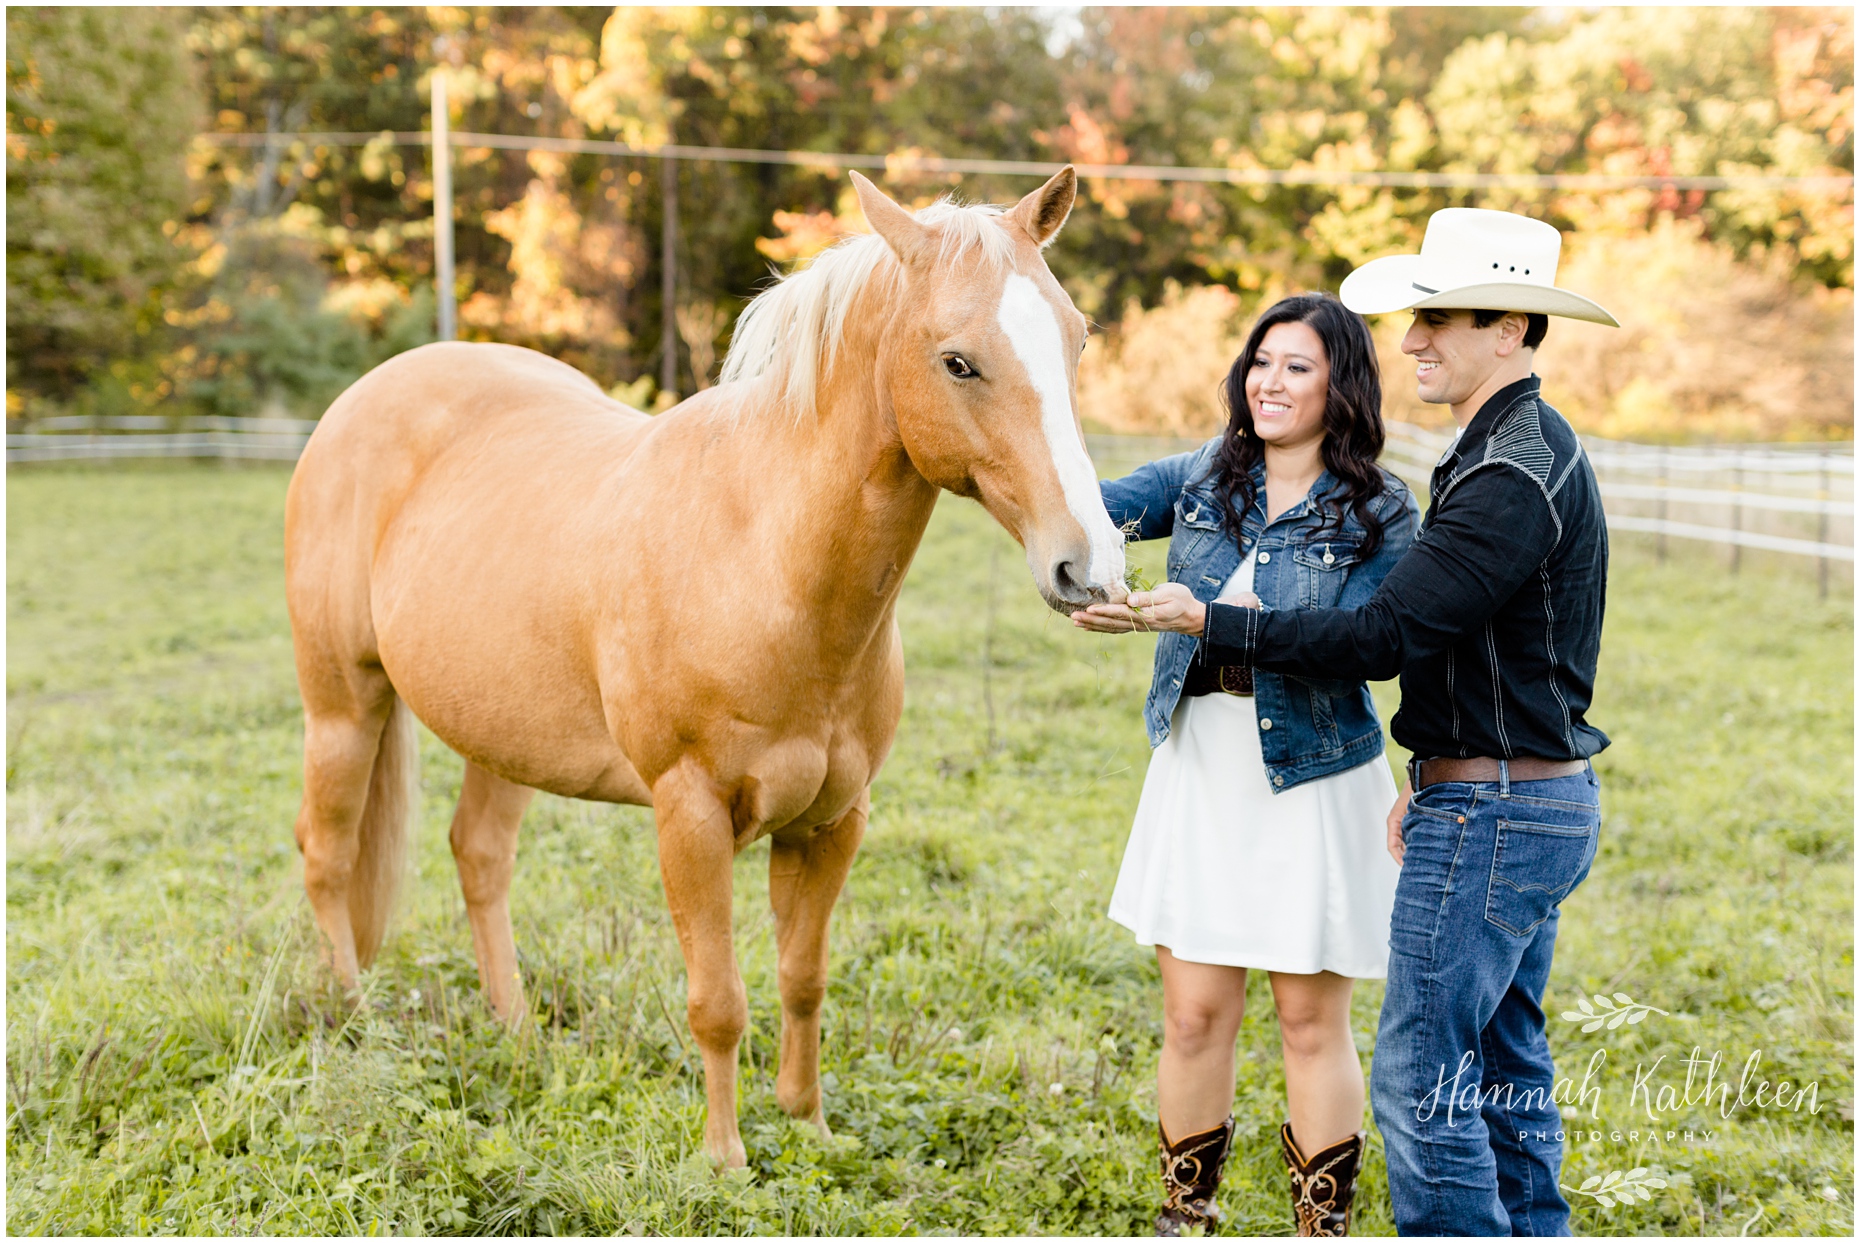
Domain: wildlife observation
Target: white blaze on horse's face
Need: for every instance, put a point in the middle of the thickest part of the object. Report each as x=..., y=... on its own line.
x=981, y=366
x=1032, y=329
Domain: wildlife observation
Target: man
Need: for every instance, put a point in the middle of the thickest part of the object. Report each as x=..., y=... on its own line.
x=1493, y=620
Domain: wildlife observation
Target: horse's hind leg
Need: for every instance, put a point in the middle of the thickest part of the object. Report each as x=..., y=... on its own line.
x=484, y=845
x=342, y=739
x=805, y=878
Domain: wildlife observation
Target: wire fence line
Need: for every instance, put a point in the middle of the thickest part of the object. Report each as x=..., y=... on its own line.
x=908, y=162
x=1793, y=500
x=441, y=139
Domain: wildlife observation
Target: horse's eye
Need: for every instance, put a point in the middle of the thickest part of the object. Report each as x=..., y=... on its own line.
x=958, y=366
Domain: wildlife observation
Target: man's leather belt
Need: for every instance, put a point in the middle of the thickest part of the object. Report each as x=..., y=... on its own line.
x=1207, y=679
x=1424, y=773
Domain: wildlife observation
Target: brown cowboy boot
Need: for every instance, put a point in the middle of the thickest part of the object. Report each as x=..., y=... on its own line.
x=1324, y=1185
x=1191, y=1170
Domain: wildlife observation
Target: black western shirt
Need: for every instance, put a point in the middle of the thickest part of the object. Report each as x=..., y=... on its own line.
x=1493, y=619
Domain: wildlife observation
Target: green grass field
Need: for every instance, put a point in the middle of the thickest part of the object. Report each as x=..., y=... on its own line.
x=177, y=1061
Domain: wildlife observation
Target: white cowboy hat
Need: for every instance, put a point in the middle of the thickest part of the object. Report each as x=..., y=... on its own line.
x=1472, y=259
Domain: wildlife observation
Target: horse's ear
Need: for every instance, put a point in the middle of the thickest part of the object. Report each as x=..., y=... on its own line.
x=909, y=240
x=1045, y=210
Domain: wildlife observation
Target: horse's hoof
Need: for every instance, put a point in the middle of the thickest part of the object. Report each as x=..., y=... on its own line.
x=730, y=1156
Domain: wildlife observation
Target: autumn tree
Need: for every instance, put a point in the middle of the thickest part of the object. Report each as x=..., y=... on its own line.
x=310, y=259
x=1668, y=92
x=860, y=80
x=101, y=105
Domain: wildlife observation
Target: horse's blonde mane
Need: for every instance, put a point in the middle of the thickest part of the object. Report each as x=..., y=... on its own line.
x=792, y=330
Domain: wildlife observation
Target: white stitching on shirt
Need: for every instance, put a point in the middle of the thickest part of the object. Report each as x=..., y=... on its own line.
x=1519, y=437
x=1569, y=734
x=1498, y=707
x=1564, y=477
x=1453, y=703
x=1497, y=423
x=1510, y=436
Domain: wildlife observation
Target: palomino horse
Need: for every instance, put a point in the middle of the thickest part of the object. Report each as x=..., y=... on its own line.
x=694, y=611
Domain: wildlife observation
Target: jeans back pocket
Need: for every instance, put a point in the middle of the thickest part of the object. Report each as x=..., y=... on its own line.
x=1535, y=865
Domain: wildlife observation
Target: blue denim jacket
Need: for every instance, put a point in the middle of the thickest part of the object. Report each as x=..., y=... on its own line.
x=1318, y=726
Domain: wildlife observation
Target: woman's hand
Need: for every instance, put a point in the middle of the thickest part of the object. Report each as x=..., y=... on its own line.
x=1170, y=606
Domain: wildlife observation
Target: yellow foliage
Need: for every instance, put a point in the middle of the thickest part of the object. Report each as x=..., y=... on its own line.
x=554, y=255
x=1731, y=90
x=636, y=393
x=1711, y=348
x=641, y=48
x=806, y=234
x=1160, y=370
x=699, y=324
x=368, y=299
x=803, y=235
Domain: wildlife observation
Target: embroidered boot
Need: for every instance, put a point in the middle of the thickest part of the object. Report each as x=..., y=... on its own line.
x=1191, y=1171
x=1323, y=1185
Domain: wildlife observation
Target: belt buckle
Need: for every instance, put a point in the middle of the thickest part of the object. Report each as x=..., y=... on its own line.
x=1236, y=679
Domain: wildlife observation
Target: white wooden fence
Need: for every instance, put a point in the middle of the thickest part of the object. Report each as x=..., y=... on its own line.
x=1783, y=499
x=1777, y=498
x=77, y=438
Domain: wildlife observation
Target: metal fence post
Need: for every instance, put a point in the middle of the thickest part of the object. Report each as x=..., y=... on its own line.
x=668, y=279
x=444, y=285
x=1737, y=512
x=1660, y=547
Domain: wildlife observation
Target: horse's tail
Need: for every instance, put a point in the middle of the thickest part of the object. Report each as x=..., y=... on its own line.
x=386, y=832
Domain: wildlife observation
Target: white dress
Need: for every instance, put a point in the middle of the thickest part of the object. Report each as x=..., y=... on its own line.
x=1222, y=870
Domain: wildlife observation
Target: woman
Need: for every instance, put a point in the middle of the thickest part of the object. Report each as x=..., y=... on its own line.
x=1259, y=838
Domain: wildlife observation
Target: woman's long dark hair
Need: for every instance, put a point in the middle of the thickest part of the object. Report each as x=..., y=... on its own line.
x=1353, y=432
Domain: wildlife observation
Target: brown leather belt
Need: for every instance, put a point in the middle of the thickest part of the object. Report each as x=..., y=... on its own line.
x=1424, y=773
x=1207, y=679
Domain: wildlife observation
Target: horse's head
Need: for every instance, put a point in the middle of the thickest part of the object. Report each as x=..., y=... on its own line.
x=980, y=365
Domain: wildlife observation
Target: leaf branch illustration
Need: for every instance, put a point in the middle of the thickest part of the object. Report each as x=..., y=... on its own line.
x=1616, y=1187
x=1609, y=1012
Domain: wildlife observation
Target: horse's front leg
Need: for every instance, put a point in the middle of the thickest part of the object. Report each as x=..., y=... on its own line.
x=696, y=847
x=805, y=877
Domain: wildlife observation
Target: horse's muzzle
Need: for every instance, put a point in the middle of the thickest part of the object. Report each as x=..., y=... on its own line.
x=1066, y=589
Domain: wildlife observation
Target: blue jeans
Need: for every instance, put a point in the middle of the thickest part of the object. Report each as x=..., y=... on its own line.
x=1462, y=1077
